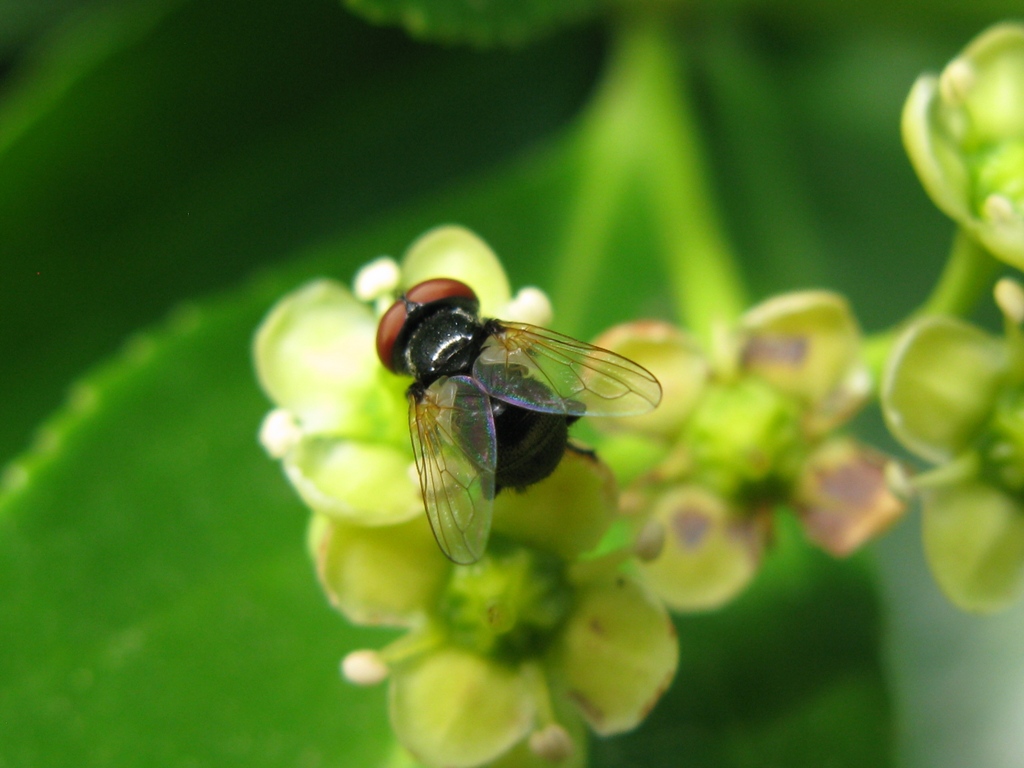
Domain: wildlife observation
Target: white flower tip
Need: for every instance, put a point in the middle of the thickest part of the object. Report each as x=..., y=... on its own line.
x=377, y=279
x=364, y=667
x=999, y=210
x=1010, y=299
x=552, y=743
x=650, y=541
x=899, y=481
x=956, y=82
x=859, y=383
x=279, y=433
x=530, y=305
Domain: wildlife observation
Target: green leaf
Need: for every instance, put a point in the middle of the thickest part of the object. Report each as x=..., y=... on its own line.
x=478, y=23
x=158, y=605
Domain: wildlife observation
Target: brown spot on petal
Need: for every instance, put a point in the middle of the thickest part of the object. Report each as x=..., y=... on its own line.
x=853, y=485
x=592, y=712
x=846, y=501
x=787, y=350
x=690, y=527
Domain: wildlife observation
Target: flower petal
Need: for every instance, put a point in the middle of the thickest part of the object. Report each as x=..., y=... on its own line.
x=456, y=252
x=995, y=99
x=934, y=151
x=677, y=361
x=385, y=575
x=364, y=483
x=565, y=514
x=843, y=497
x=940, y=385
x=974, y=540
x=807, y=344
x=616, y=654
x=710, y=555
x=456, y=709
x=315, y=356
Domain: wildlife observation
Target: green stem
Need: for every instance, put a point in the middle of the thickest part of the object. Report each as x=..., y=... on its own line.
x=639, y=131
x=966, y=277
x=705, y=278
x=606, y=161
x=783, y=237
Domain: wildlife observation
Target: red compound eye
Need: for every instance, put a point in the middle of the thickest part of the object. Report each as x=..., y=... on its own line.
x=437, y=289
x=393, y=321
x=387, y=332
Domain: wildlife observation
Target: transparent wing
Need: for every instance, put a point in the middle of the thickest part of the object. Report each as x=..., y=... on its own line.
x=546, y=371
x=453, y=441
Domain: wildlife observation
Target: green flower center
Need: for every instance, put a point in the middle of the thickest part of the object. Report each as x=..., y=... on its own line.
x=508, y=604
x=746, y=441
x=999, y=170
x=1002, y=447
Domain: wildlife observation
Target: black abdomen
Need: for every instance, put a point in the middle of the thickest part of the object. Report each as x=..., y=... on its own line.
x=530, y=445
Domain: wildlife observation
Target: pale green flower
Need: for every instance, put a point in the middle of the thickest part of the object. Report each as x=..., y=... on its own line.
x=743, y=429
x=508, y=656
x=964, y=133
x=954, y=395
x=506, y=661
x=340, y=426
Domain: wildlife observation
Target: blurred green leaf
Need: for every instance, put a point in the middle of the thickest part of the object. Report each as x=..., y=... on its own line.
x=158, y=608
x=478, y=23
x=162, y=149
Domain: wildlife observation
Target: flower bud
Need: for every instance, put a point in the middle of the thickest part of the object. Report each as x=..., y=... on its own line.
x=709, y=554
x=974, y=541
x=389, y=575
x=454, y=251
x=675, y=359
x=940, y=385
x=455, y=708
x=807, y=345
x=364, y=667
x=567, y=513
x=963, y=130
x=843, y=496
x=616, y=654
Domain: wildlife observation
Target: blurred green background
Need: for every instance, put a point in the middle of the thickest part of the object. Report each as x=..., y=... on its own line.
x=195, y=160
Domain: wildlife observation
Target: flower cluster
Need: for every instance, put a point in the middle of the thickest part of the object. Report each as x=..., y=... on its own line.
x=954, y=395
x=744, y=430
x=507, y=659
x=951, y=392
